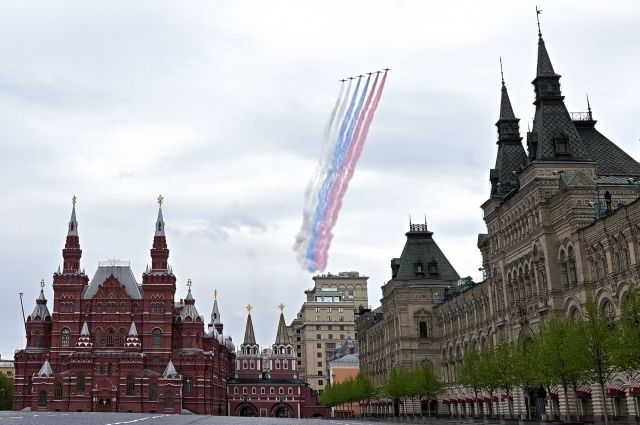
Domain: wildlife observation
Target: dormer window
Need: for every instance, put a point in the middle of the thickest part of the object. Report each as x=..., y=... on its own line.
x=433, y=267
x=561, y=144
x=419, y=268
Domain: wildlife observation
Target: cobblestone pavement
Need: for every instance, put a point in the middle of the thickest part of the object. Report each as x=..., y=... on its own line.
x=92, y=418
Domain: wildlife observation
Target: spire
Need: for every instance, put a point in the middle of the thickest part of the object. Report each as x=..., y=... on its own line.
x=589, y=108
x=132, y=329
x=72, y=252
x=84, y=340
x=282, y=337
x=249, y=334
x=85, y=330
x=189, y=310
x=506, y=111
x=544, y=63
x=160, y=220
x=159, y=252
x=215, y=313
x=73, y=223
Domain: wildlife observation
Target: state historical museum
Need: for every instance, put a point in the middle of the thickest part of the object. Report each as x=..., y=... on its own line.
x=115, y=345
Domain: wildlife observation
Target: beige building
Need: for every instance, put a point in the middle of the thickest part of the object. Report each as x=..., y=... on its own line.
x=7, y=368
x=325, y=320
x=563, y=224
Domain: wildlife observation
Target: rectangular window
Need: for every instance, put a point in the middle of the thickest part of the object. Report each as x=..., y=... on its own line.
x=341, y=318
x=319, y=345
x=319, y=355
x=299, y=354
x=320, y=382
x=299, y=363
x=319, y=373
x=317, y=309
x=328, y=309
x=341, y=310
x=330, y=336
x=341, y=336
x=318, y=327
x=330, y=318
x=330, y=327
x=317, y=318
x=297, y=338
x=153, y=392
x=341, y=327
x=423, y=330
x=318, y=336
x=319, y=364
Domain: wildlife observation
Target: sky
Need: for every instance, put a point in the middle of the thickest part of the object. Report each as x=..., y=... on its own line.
x=220, y=107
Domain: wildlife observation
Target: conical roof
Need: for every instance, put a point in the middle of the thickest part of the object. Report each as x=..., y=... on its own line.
x=544, y=67
x=160, y=223
x=132, y=329
x=170, y=371
x=40, y=311
x=85, y=330
x=249, y=334
x=282, y=337
x=45, y=370
x=73, y=223
x=506, y=111
x=215, y=313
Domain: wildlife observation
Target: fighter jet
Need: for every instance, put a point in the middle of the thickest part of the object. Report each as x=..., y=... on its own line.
x=343, y=80
x=387, y=69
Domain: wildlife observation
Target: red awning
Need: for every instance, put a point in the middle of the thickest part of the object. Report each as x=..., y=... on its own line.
x=469, y=400
x=553, y=396
x=506, y=397
x=583, y=395
x=445, y=401
x=495, y=398
x=453, y=401
x=487, y=399
x=614, y=392
x=634, y=391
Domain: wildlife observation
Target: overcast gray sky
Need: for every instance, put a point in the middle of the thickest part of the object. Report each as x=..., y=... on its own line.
x=220, y=107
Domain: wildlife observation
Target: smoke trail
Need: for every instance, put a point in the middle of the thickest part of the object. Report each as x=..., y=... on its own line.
x=333, y=205
x=326, y=186
x=311, y=193
x=354, y=156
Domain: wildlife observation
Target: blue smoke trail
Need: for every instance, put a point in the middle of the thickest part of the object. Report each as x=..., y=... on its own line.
x=344, y=140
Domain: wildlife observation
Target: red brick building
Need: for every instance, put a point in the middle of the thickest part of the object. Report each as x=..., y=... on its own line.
x=113, y=344
x=266, y=383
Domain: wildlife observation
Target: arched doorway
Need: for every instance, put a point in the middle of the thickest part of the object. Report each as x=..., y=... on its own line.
x=104, y=405
x=283, y=412
x=247, y=410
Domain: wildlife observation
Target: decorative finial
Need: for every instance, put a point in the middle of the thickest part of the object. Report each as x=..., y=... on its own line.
x=189, y=284
x=160, y=200
x=589, y=108
x=249, y=308
x=425, y=220
x=501, y=72
x=409, y=220
x=42, y=285
x=538, y=12
x=74, y=199
x=215, y=294
x=281, y=307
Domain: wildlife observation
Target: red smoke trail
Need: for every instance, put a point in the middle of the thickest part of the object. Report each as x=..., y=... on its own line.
x=355, y=151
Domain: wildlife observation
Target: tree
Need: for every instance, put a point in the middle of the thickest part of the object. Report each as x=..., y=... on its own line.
x=364, y=389
x=599, y=343
x=524, y=361
x=396, y=387
x=6, y=392
x=558, y=357
x=627, y=356
x=470, y=373
x=427, y=384
x=505, y=366
x=489, y=371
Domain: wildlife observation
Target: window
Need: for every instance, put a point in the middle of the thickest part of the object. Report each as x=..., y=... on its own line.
x=298, y=346
x=328, y=309
x=418, y=268
x=80, y=383
x=297, y=338
x=277, y=364
x=285, y=364
x=101, y=369
x=131, y=385
x=341, y=326
x=188, y=343
x=58, y=392
x=319, y=364
x=433, y=267
x=156, y=360
x=109, y=369
x=271, y=390
x=187, y=387
x=330, y=327
x=262, y=390
x=244, y=390
x=330, y=318
x=317, y=309
x=122, y=338
x=290, y=391
x=320, y=382
x=350, y=294
x=65, y=337
x=168, y=400
x=42, y=399
x=341, y=336
x=319, y=345
x=156, y=337
x=299, y=363
x=318, y=336
x=110, y=338
x=330, y=336
x=235, y=390
x=319, y=355
x=153, y=392
x=280, y=390
x=423, y=329
x=561, y=144
x=341, y=319
x=317, y=318
x=97, y=341
x=318, y=327
x=341, y=310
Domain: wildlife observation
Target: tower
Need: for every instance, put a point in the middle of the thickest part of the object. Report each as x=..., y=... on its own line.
x=283, y=355
x=249, y=362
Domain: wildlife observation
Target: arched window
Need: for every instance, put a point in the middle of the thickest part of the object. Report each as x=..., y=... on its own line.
x=111, y=337
x=65, y=337
x=153, y=392
x=80, y=382
x=156, y=339
x=272, y=390
x=262, y=390
x=187, y=387
x=131, y=385
x=285, y=364
x=188, y=341
x=168, y=400
x=122, y=337
x=561, y=144
x=98, y=341
x=58, y=392
x=607, y=311
x=42, y=399
x=252, y=364
x=277, y=364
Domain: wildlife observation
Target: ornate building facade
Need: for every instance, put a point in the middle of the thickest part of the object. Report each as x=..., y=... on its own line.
x=563, y=224
x=266, y=382
x=112, y=344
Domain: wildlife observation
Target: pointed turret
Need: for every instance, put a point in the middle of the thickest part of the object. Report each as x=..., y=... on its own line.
x=216, y=321
x=133, y=341
x=511, y=157
x=84, y=340
x=189, y=310
x=40, y=312
x=554, y=136
x=282, y=337
x=170, y=371
x=72, y=252
x=249, y=335
x=159, y=252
